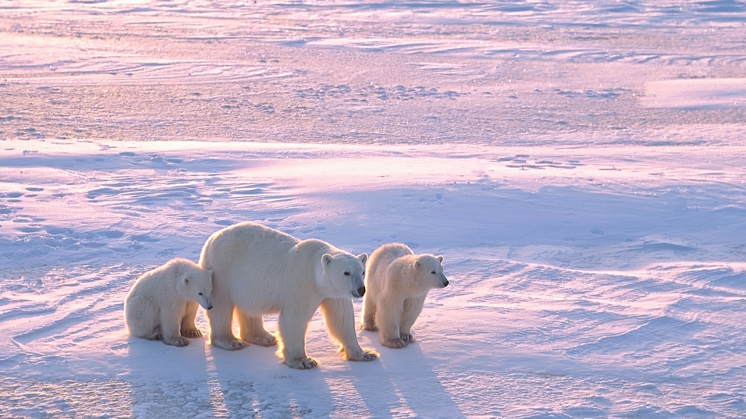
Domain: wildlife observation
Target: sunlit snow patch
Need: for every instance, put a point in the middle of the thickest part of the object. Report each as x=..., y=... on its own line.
x=695, y=93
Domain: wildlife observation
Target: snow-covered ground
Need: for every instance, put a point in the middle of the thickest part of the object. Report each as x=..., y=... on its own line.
x=580, y=165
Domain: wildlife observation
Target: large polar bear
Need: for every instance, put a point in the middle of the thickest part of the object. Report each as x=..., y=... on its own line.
x=162, y=303
x=397, y=283
x=258, y=270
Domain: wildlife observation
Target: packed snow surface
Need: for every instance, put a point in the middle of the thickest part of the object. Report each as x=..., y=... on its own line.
x=580, y=166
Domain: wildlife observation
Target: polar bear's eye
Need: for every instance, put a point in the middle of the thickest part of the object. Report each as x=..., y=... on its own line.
x=433, y=272
x=200, y=293
x=363, y=273
x=347, y=274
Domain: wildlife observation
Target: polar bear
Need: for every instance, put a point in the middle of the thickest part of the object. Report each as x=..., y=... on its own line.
x=397, y=283
x=258, y=270
x=163, y=302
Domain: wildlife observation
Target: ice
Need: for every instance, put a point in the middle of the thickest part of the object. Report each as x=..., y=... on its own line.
x=578, y=164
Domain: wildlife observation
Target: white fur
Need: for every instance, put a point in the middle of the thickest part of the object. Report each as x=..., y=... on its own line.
x=396, y=287
x=162, y=303
x=259, y=270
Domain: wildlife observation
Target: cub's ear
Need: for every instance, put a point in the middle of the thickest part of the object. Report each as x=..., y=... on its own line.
x=417, y=264
x=326, y=259
x=182, y=276
x=363, y=257
x=209, y=272
x=440, y=259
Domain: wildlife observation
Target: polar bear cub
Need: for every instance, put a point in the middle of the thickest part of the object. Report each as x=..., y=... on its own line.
x=397, y=283
x=163, y=303
x=259, y=270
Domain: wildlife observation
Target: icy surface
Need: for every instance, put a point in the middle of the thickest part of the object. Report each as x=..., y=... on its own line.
x=580, y=165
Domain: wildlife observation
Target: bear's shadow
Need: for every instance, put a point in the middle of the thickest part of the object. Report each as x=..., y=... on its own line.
x=152, y=359
x=253, y=378
x=406, y=380
x=400, y=380
x=237, y=382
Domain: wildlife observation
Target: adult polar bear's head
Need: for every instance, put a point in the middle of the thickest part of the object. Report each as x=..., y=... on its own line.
x=343, y=275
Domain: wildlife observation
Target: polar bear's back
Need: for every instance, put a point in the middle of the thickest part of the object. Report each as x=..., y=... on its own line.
x=384, y=255
x=379, y=263
x=242, y=238
x=159, y=282
x=243, y=245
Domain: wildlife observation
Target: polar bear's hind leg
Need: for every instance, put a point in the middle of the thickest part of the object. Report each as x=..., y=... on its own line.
x=252, y=330
x=221, y=335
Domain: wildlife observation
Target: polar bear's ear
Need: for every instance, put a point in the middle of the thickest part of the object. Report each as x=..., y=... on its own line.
x=326, y=259
x=417, y=264
x=182, y=276
x=363, y=257
x=440, y=259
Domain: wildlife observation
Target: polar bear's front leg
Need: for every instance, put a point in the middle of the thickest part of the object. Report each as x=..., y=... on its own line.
x=170, y=326
x=412, y=309
x=188, y=328
x=388, y=318
x=221, y=333
x=252, y=330
x=292, y=325
x=369, y=314
x=339, y=317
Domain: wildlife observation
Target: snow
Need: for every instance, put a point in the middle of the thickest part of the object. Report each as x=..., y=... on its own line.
x=578, y=164
x=696, y=93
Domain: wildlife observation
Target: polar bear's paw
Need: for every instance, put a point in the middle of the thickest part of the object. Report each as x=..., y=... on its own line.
x=265, y=340
x=303, y=363
x=369, y=326
x=229, y=344
x=364, y=356
x=177, y=341
x=395, y=343
x=407, y=337
x=191, y=333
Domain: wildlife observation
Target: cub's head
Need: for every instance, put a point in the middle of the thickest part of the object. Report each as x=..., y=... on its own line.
x=195, y=283
x=430, y=271
x=343, y=275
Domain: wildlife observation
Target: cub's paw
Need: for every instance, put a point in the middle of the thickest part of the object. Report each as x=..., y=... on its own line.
x=302, y=363
x=229, y=344
x=371, y=327
x=267, y=340
x=407, y=337
x=191, y=333
x=394, y=343
x=177, y=341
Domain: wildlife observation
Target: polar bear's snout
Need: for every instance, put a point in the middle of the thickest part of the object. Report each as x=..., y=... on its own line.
x=443, y=281
x=359, y=292
x=358, y=286
x=205, y=302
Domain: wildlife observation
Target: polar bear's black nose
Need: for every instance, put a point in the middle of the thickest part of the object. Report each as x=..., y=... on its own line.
x=445, y=283
x=361, y=291
x=209, y=307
